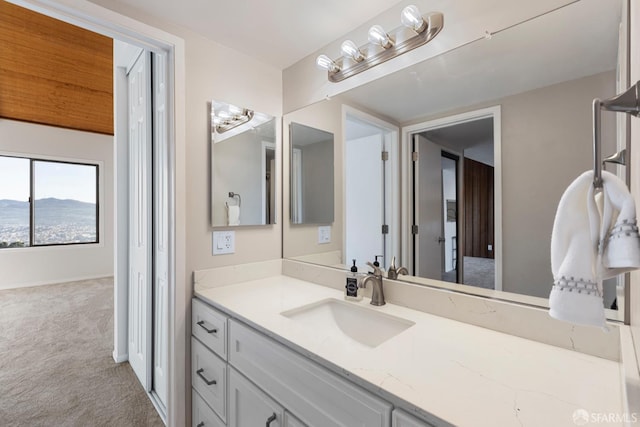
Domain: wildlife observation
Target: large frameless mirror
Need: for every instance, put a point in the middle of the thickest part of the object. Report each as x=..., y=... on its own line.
x=490, y=135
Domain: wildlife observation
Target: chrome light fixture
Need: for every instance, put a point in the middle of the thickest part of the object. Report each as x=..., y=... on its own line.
x=225, y=120
x=383, y=46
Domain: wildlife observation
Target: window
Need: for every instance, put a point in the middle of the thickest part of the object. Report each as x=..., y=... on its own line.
x=44, y=202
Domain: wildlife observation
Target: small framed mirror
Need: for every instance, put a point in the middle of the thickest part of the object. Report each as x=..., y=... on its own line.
x=243, y=166
x=311, y=194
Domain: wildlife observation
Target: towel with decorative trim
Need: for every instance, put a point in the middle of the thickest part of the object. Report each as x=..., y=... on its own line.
x=595, y=237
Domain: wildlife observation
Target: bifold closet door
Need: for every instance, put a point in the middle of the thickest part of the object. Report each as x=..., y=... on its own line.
x=140, y=231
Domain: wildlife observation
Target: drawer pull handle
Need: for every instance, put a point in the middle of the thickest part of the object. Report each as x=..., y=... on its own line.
x=201, y=424
x=271, y=419
x=201, y=375
x=210, y=331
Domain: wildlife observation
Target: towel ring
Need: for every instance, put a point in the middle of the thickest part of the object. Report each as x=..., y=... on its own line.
x=626, y=102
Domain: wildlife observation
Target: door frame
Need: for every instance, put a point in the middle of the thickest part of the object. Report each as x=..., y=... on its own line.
x=266, y=145
x=103, y=21
x=393, y=197
x=455, y=157
x=407, y=202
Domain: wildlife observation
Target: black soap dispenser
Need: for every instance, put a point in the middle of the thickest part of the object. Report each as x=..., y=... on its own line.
x=351, y=289
x=376, y=263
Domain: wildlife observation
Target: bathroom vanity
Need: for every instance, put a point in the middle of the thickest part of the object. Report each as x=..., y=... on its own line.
x=297, y=354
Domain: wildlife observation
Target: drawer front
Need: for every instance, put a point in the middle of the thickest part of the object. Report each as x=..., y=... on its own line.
x=402, y=419
x=209, y=377
x=249, y=406
x=210, y=327
x=316, y=396
x=202, y=415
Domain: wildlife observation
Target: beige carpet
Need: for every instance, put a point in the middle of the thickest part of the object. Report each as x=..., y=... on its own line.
x=56, y=367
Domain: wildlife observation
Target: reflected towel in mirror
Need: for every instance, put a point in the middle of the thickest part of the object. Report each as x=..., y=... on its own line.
x=595, y=237
x=233, y=215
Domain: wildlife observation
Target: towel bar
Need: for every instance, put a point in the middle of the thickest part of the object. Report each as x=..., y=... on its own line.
x=626, y=102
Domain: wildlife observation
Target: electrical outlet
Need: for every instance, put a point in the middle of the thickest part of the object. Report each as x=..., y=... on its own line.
x=324, y=234
x=224, y=242
x=490, y=247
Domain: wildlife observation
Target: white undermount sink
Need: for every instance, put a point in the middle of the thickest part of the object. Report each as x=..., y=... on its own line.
x=361, y=324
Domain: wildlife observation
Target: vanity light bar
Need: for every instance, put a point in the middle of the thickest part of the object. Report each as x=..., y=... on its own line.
x=225, y=122
x=383, y=46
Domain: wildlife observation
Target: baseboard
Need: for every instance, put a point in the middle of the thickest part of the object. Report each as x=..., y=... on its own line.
x=54, y=282
x=119, y=358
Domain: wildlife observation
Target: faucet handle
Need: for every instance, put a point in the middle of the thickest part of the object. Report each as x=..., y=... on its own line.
x=376, y=270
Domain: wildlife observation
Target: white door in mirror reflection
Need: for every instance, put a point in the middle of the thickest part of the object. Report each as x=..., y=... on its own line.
x=454, y=202
x=428, y=211
x=368, y=182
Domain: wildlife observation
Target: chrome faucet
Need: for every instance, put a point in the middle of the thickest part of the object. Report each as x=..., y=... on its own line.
x=394, y=272
x=377, y=294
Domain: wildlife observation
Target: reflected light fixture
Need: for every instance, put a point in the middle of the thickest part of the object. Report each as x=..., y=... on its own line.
x=383, y=46
x=225, y=120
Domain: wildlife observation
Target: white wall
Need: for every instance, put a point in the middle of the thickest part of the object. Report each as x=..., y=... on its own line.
x=37, y=266
x=464, y=21
x=546, y=144
x=317, y=181
x=302, y=239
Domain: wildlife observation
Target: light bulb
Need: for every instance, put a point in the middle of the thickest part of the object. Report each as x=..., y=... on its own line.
x=224, y=115
x=377, y=35
x=216, y=120
x=411, y=18
x=350, y=50
x=235, y=111
x=325, y=63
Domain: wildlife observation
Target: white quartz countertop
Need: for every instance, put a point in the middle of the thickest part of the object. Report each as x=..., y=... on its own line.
x=459, y=373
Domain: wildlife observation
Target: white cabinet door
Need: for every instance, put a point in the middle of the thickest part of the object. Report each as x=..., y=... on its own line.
x=402, y=419
x=291, y=421
x=318, y=397
x=249, y=406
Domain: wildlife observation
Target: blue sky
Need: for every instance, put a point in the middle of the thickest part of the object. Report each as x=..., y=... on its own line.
x=59, y=180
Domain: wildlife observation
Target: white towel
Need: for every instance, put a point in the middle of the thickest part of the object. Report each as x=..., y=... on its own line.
x=233, y=215
x=594, y=237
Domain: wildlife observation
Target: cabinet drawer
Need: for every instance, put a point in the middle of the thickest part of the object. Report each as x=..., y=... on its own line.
x=210, y=327
x=202, y=415
x=402, y=419
x=249, y=406
x=315, y=395
x=209, y=377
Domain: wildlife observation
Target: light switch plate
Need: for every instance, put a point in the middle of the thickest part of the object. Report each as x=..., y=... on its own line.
x=324, y=234
x=224, y=242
